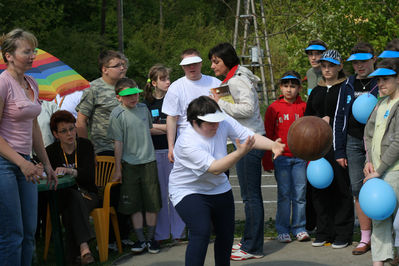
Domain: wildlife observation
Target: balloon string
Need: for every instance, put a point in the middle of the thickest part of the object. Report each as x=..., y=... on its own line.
x=373, y=88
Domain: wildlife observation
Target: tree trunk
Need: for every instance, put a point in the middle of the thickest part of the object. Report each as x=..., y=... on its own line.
x=120, y=25
x=160, y=18
x=103, y=17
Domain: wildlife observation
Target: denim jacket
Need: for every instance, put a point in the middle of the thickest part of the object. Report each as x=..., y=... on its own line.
x=346, y=97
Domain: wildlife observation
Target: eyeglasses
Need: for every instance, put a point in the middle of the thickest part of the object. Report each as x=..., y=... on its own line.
x=66, y=130
x=124, y=66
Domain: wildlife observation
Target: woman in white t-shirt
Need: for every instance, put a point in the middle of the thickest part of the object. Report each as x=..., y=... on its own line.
x=198, y=187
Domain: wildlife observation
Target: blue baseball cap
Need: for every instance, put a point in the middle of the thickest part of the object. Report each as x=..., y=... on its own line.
x=290, y=77
x=331, y=56
x=360, y=57
x=382, y=72
x=389, y=54
x=315, y=47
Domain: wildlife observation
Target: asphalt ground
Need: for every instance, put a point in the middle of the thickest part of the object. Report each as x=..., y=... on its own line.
x=276, y=253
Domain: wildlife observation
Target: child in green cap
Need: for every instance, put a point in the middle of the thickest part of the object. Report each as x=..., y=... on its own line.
x=135, y=164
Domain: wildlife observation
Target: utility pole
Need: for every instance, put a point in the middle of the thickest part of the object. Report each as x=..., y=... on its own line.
x=252, y=48
x=120, y=25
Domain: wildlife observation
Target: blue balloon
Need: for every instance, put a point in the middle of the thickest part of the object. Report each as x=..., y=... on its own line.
x=320, y=173
x=377, y=199
x=363, y=106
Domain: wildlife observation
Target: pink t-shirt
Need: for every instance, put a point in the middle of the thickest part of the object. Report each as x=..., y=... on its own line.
x=18, y=112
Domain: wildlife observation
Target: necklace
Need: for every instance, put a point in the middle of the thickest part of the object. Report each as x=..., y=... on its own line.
x=364, y=85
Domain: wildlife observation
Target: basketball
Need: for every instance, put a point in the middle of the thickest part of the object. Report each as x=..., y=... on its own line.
x=309, y=138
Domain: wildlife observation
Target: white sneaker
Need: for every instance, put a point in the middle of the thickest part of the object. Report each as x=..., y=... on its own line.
x=242, y=255
x=303, y=236
x=284, y=238
x=236, y=247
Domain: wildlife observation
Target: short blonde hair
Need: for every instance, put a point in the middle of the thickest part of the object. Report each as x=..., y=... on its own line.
x=8, y=42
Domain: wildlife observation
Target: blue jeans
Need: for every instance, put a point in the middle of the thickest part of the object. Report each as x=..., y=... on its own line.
x=249, y=174
x=18, y=215
x=200, y=212
x=356, y=154
x=290, y=173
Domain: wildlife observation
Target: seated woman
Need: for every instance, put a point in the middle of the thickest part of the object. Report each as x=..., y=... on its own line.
x=75, y=157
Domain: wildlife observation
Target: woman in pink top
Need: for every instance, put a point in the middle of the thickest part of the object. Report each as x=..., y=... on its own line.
x=19, y=133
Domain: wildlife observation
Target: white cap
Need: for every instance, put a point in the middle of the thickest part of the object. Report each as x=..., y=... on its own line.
x=190, y=60
x=213, y=117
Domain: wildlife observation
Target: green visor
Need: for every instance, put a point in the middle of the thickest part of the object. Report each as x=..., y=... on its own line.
x=130, y=91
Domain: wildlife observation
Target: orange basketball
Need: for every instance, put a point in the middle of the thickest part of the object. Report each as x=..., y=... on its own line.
x=309, y=138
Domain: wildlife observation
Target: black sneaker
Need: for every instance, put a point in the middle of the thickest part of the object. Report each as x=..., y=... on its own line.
x=319, y=242
x=153, y=246
x=138, y=247
x=340, y=244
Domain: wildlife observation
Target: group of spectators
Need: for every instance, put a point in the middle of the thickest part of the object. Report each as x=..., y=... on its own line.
x=171, y=156
x=360, y=151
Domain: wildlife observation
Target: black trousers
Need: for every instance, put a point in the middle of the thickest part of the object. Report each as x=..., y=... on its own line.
x=200, y=212
x=334, y=206
x=75, y=210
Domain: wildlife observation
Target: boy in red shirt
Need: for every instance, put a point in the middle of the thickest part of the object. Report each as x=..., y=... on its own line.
x=290, y=172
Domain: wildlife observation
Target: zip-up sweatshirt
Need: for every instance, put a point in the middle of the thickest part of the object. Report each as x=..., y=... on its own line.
x=278, y=118
x=390, y=140
x=346, y=97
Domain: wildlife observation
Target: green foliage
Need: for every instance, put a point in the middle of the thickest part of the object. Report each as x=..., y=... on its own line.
x=70, y=30
x=341, y=24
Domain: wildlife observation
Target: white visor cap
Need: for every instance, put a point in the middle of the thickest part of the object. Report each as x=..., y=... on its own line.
x=213, y=117
x=190, y=60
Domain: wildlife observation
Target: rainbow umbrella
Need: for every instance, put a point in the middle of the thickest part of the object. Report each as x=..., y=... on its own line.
x=53, y=76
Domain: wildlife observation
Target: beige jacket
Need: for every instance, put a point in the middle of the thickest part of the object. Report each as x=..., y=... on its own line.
x=246, y=104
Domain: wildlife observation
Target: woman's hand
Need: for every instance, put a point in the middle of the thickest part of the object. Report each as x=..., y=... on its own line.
x=370, y=176
x=52, y=180
x=245, y=147
x=215, y=96
x=277, y=148
x=32, y=172
x=368, y=168
x=343, y=162
x=61, y=171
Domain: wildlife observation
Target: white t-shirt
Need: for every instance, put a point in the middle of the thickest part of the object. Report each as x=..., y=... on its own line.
x=193, y=156
x=48, y=108
x=69, y=102
x=182, y=92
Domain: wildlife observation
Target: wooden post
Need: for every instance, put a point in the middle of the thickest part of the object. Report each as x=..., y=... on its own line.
x=120, y=25
x=260, y=59
x=268, y=54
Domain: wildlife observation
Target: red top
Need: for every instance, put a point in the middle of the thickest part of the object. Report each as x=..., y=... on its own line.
x=278, y=118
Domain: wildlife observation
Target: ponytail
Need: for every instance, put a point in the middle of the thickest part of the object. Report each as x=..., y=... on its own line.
x=148, y=91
